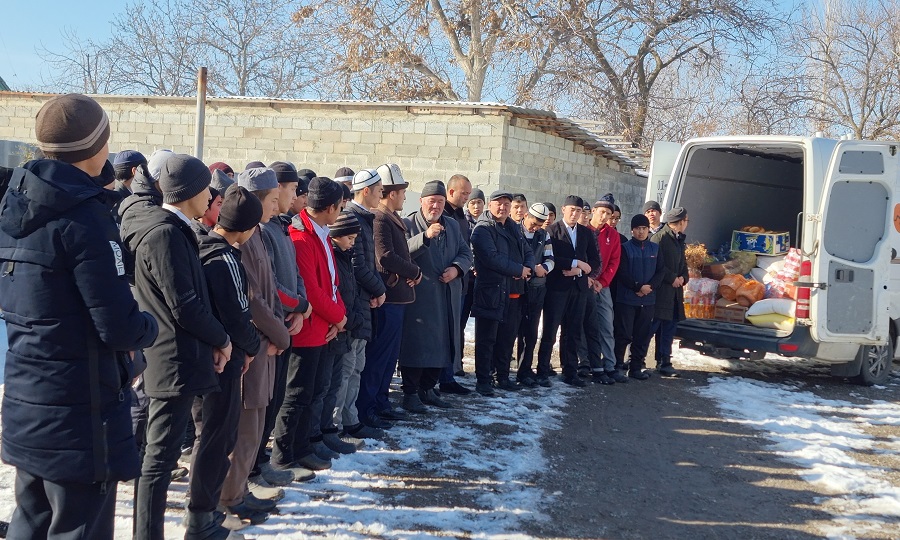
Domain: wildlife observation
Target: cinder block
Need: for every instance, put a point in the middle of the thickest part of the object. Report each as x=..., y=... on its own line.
x=283, y=121
x=344, y=148
x=458, y=129
x=406, y=150
x=365, y=149
x=393, y=138
x=264, y=144
x=372, y=137
x=481, y=129
x=435, y=140
x=361, y=125
x=284, y=145
x=323, y=124
x=435, y=128
x=301, y=123
x=350, y=136
x=330, y=136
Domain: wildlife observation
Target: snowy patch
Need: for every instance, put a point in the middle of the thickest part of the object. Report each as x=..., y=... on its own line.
x=483, y=454
x=821, y=436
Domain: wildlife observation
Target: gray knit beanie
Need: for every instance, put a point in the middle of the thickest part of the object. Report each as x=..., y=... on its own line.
x=182, y=177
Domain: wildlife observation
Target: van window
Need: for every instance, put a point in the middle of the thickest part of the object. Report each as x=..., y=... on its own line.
x=855, y=219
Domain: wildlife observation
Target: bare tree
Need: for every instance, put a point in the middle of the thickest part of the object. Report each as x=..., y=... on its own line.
x=848, y=55
x=623, y=50
x=83, y=65
x=251, y=47
x=432, y=49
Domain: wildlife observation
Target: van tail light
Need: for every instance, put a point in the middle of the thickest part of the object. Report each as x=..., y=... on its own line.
x=788, y=347
x=802, y=310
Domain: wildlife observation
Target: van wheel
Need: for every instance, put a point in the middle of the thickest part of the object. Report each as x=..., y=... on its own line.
x=877, y=363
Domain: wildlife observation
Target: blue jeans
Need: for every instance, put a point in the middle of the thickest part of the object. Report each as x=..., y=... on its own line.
x=381, y=361
x=597, y=347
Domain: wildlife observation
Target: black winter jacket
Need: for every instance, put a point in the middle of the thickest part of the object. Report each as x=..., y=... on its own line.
x=170, y=284
x=500, y=252
x=669, y=299
x=356, y=304
x=370, y=283
x=71, y=319
x=228, y=289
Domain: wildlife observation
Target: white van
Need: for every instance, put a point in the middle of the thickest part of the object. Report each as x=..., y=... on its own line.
x=839, y=201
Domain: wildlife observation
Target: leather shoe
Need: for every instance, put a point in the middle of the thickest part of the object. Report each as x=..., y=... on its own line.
x=601, y=377
x=575, y=381
x=392, y=415
x=263, y=505
x=527, y=382
x=618, y=376
x=301, y=473
x=543, y=381
x=641, y=375
x=314, y=462
x=485, y=389
x=377, y=423
x=454, y=388
x=413, y=404
x=245, y=513
x=363, y=431
x=430, y=397
x=508, y=385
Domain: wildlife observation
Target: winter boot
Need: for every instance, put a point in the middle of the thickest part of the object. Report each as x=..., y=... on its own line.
x=274, y=477
x=413, y=404
x=664, y=367
x=431, y=398
x=323, y=451
x=334, y=442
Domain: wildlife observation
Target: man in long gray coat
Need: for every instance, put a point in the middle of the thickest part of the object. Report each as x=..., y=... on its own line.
x=431, y=332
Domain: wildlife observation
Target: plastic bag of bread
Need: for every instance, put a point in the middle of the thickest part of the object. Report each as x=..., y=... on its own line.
x=750, y=292
x=729, y=286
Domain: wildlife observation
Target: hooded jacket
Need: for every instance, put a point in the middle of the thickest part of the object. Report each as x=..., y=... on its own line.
x=367, y=276
x=228, y=290
x=669, y=299
x=71, y=319
x=170, y=284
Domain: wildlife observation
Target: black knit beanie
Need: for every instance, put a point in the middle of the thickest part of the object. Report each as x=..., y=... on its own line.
x=71, y=128
x=182, y=177
x=241, y=210
x=345, y=225
x=324, y=192
x=284, y=172
x=607, y=201
x=639, y=220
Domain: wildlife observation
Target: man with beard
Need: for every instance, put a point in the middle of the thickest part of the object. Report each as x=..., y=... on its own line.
x=431, y=333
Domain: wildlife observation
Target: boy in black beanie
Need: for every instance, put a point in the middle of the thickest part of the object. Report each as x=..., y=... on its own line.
x=323, y=432
x=216, y=414
x=640, y=274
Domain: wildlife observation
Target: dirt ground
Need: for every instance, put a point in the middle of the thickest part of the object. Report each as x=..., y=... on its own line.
x=653, y=459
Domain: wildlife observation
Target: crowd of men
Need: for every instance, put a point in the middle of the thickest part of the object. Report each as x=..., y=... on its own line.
x=153, y=301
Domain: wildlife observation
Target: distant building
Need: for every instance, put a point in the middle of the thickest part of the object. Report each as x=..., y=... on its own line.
x=3, y=86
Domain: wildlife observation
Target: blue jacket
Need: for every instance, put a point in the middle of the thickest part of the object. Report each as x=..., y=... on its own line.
x=640, y=265
x=71, y=318
x=500, y=252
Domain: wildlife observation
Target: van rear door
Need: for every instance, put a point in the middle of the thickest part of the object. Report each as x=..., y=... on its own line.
x=851, y=261
x=663, y=157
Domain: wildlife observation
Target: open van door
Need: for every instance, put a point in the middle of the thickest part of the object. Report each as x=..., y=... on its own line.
x=851, y=264
x=663, y=156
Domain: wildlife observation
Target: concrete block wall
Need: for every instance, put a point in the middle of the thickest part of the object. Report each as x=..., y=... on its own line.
x=546, y=167
x=490, y=145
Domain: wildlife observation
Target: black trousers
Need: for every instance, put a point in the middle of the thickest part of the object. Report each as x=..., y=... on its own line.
x=216, y=417
x=494, y=341
x=166, y=423
x=281, y=369
x=632, y=326
x=62, y=511
x=328, y=381
x=532, y=305
x=563, y=309
x=417, y=379
x=292, y=428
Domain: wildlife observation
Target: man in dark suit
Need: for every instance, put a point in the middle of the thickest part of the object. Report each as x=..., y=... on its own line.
x=576, y=254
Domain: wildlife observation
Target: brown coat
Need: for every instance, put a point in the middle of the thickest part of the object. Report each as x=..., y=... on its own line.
x=265, y=310
x=392, y=257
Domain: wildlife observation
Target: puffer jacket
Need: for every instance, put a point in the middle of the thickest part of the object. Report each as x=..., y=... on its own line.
x=71, y=320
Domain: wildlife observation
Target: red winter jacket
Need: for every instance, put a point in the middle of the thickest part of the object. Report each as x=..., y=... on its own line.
x=610, y=252
x=312, y=261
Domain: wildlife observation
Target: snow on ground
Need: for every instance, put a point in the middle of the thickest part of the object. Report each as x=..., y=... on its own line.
x=819, y=435
x=389, y=488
